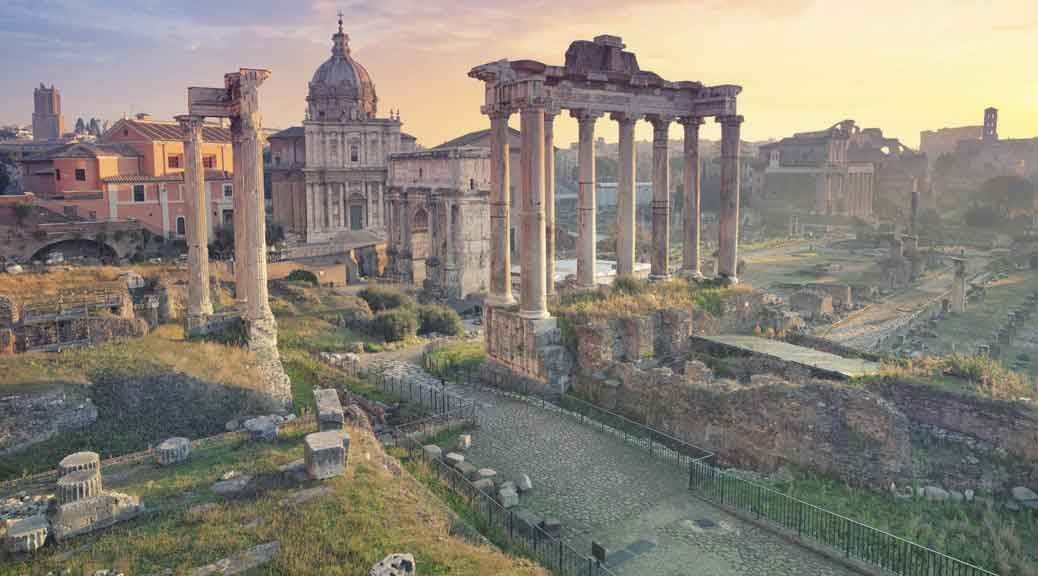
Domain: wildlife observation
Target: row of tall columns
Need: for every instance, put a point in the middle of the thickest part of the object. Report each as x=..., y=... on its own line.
x=195, y=203
x=728, y=218
x=500, y=217
x=690, y=207
x=586, y=248
x=659, y=261
x=626, y=206
x=549, y=202
x=533, y=286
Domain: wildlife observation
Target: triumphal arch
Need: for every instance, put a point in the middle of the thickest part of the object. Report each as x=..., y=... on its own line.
x=599, y=79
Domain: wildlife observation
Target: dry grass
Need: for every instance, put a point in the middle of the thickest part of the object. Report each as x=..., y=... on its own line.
x=978, y=374
x=377, y=509
x=21, y=285
x=630, y=297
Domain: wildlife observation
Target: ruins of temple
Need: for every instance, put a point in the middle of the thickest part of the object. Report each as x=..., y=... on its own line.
x=598, y=78
x=438, y=220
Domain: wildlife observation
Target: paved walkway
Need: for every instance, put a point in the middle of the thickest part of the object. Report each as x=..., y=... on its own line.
x=637, y=506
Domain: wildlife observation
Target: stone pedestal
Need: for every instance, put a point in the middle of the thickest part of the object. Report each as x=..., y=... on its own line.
x=79, y=461
x=330, y=415
x=325, y=453
x=172, y=451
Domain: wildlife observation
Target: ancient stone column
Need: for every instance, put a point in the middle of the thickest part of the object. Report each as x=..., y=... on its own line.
x=728, y=219
x=958, y=303
x=625, y=196
x=549, y=201
x=532, y=295
x=500, y=218
x=660, y=254
x=586, y=251
x=691, y=184
x=196, y=205
x=251, y=152
x=241, y=287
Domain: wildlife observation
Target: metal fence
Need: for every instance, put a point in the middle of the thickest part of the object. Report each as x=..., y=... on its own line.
x=499, y=523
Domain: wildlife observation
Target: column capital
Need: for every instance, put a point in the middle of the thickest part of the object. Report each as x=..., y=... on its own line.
x=585, y=115
x=497, y=112
x=695, y=121
x=730, y=120
x=626, y=117
x=190, y=121
x=659, y=121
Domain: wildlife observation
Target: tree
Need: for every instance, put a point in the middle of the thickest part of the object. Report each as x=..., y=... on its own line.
x=21, y=212
x=1008, y=194
x=80, y=126
x=95, y=127
x=8, y=133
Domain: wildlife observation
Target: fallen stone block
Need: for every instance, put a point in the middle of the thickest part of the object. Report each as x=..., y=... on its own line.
x=300, y=496
x=523, y=483
x=325, y=453
x=96, y=513
x=242, y=562
x=935, y=494
x=527, y=523
x=552, y=526
x=262, y=428
x=509, y=498
x=464, y=442
x=485, y=485
x=294, y=470
x=1023, y=494
x=468, y=470
x=453, y=459
x=330, y=415
x=26, y=535
x=394, y=565
x=231, y=485
x=172, y=451
x=432, y=452
x=508, y=485
x=79, y=461
x=486, y=473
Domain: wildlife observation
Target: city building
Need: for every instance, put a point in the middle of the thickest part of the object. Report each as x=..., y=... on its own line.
x=47, y=121
x=329, y=177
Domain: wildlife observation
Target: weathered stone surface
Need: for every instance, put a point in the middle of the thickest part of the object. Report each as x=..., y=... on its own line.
x=172, y=451
x=79, y=485
x=325, y=453
x=453, y=458
x=464, y=442
x=394, y=565
x=242, y=562
x=330, y=415
x=29, y=418
x=94, y=513
x=935, y=494
x=432, y=452
x=508, y=497
x=486, y=485
x=300, y=496
x=232, y=485
x=26, y=535
x=79, y=461
x=467, y=470
x=552, y=526
x=294, y=470
x=262, y=428
x=486, y=473
x=523, y=483
x=528, y=523
x=1023, y=494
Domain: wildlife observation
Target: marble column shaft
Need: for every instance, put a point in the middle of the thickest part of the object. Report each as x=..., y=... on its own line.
x=660, y=255
x=532, y=295
x=251, y=147
x=500, y=217
x=586, y=248
x=196, y=205
x=549, y=202
x=626, y=209
x=728, y=218
x=241, y=286
x=691, y=217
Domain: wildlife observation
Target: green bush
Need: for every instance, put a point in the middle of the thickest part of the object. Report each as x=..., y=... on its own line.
x=441, y=319
x=394, y=325
x=300, y=275
x=628, y=285
x=381, y=298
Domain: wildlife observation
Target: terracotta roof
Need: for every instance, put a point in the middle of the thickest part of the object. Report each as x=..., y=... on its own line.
x=471, y=138
x=85, y=150
x=170, y=131
x=210, y=175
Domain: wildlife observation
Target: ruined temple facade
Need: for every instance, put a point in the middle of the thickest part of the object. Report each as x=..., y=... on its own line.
x=844, y=170
x=438, y=220
x=328, y=177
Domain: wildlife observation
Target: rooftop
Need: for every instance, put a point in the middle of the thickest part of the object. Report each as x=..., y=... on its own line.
x=168, y=130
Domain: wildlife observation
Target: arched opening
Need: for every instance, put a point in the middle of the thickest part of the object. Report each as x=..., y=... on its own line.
x=419, y=245
x=357, y=209
x=77, y=248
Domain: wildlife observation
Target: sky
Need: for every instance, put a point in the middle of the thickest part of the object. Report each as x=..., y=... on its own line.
x=900, y=65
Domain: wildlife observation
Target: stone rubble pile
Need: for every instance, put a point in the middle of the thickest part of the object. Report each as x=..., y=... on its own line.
x=394, y=565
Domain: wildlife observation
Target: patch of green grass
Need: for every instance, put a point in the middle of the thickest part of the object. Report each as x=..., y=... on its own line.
x=455, y=358
x=630, y=296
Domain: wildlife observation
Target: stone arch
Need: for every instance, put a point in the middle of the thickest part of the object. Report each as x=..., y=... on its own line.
x=420, y=221
x=86, y=247
x=358, y=215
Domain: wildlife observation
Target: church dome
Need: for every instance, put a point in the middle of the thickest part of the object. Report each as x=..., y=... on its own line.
x=341, y=88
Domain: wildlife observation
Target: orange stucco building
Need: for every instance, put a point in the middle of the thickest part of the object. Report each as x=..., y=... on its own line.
x=136, y=172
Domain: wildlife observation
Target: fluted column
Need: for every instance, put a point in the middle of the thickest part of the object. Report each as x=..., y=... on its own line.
x=500, y=218
x=196, y=205
x=728, y=220
x=660, y=255
x=241, y=287
x=691, y=185
x=549, y=201
x=586, y=248
x=532, y=294
x=626, y=210
x=251, y=148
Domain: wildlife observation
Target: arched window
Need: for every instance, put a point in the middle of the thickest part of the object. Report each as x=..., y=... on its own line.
x=421, y=221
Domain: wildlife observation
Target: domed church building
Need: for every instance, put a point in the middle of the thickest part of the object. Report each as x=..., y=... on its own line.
x=328, y=177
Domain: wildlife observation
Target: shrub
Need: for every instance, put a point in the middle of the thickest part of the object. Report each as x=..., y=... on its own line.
x=300, y=275
x=627, y=285
x=394, y=325
x=437, y=318
x=357, y=316
x=380, y=298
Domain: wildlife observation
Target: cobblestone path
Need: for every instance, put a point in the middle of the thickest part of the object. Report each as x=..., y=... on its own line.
x=636, y=505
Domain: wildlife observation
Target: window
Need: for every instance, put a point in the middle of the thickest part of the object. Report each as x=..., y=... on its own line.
x=277, y=160
x=354, y=153
x=93, y=215
x=80, y=174
x=209, y=161
x=181, y=226
x=70, y=211
x=138, y=192
x=173, y=161
x=228, y=190
x=57, y=173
